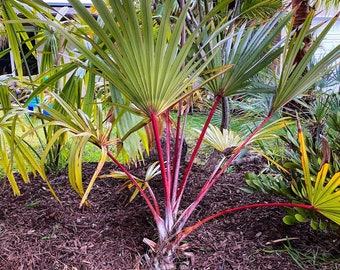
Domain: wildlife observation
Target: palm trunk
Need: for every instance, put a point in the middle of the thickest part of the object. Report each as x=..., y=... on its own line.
x=301, y=14
x=225, y=123
x=302, y=11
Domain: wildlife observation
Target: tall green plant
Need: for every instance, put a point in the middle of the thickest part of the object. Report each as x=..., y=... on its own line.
x=43, y=38
x=320, y=148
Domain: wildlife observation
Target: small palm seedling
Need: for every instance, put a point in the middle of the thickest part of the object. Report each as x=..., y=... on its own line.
x=152, y=171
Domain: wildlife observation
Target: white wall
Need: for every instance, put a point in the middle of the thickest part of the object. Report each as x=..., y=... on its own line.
x=64, y=2
x=333, y=37
x=331, y=40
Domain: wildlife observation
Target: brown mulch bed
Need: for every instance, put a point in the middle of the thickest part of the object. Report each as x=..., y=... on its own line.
x=38, y=233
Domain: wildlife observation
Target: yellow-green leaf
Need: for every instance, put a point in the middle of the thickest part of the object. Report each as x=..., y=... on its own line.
x=95, y=175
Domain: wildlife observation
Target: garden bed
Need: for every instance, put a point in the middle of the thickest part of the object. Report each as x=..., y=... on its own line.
x=38, y=233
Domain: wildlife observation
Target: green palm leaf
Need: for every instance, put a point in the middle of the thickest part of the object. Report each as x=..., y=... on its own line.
x=14, y=151
x=149, y=73
x=6, y=165
x=15, y=29
x=248, y=50
x=269, y=131
x=323, y=193
x=294, y=79
x=254, y=9
x=85, y=130
x=126, y=122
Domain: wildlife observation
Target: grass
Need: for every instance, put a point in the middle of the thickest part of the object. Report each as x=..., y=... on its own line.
x=305, y=257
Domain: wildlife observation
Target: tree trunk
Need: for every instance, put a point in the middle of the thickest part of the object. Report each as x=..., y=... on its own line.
x=225, y=122
x=301, y=14
x=302, y=11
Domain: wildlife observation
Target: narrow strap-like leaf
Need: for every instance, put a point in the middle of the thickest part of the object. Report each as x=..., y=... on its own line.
x=100, y=165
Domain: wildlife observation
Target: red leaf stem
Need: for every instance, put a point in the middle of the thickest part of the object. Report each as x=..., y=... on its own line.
x=168, y=151
x=178, y=151
x=187, y=213
x=166, y=184
x=189, y=229
x=195, y=151
x=154, y=210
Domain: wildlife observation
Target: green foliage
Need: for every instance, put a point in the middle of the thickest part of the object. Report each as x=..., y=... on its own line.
x=304, y=179
x=133, y=144
x=294, y=80
x=244, y=50
x=87, y=130
x=254, y=9
x=14, y=150
x=267, y=183
x=148, y=70
x=149, y=80
x=333, y=123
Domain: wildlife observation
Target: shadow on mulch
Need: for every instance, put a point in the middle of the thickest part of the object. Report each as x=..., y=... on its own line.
x=36, y=232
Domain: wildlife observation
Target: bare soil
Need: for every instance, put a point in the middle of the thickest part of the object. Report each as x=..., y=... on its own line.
x=36, y=232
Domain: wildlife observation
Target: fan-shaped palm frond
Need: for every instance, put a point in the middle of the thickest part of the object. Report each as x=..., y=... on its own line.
x=150, y=73
x=220, y=140
x=248, y=50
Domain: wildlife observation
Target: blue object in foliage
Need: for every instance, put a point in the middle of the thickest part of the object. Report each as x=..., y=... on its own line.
x=34, y=104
